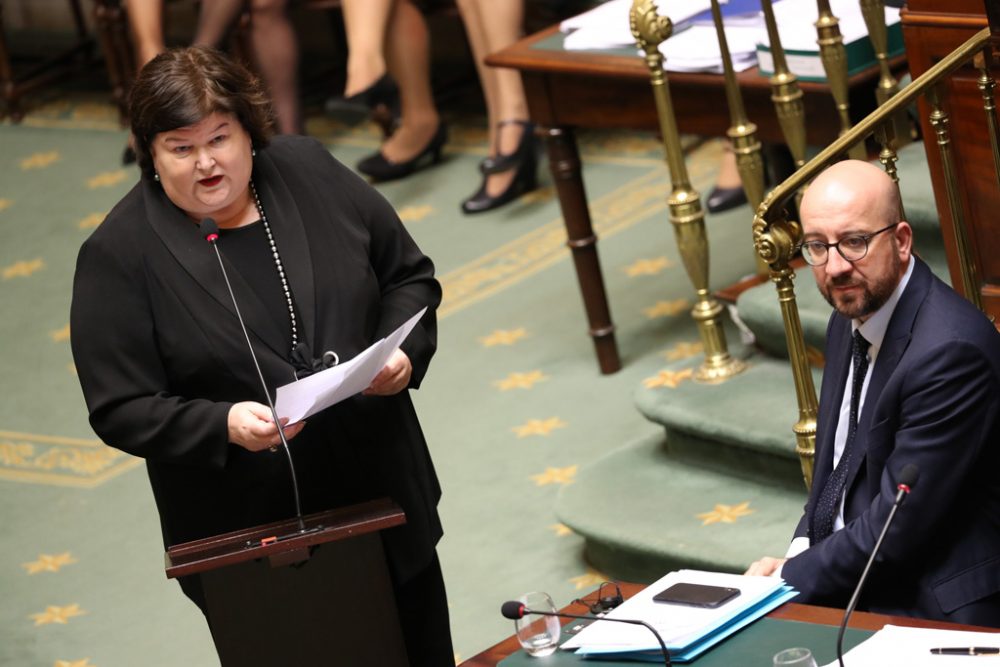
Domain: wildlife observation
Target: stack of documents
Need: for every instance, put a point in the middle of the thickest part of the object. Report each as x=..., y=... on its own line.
x=687, y=631
x=607, y=25
x=693, y=46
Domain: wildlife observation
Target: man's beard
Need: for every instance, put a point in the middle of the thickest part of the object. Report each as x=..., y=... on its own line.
x=872, y=296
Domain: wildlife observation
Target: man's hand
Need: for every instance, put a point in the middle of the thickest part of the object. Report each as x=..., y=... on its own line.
x=393, y=377
x=765, y=567
x=251, y=427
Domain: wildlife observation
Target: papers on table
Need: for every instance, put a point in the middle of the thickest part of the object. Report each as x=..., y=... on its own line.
x=894, y=645
x=687, y=631
x=607, y=25
x=307, y=396
x=795, y=21
x=697, y=49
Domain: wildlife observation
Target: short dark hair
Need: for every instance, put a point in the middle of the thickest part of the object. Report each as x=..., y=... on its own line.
x=181, y=87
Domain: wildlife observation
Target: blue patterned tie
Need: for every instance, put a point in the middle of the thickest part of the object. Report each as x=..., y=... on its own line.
x=828, y=504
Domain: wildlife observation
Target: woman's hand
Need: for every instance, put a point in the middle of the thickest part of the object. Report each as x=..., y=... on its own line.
x=251, y=427
x=393, y=377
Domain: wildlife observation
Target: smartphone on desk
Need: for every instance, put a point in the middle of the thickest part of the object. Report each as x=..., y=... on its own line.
x=697, y=595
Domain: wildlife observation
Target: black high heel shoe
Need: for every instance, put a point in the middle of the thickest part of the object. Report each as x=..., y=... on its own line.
x=524, y=160
x=379, y=168
x=382, y=92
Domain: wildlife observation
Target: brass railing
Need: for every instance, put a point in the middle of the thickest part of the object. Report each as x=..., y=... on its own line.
x=776, y=237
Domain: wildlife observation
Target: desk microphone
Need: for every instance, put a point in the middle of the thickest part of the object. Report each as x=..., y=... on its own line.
x=514, y=610
x=210, y=230
x=907, y=480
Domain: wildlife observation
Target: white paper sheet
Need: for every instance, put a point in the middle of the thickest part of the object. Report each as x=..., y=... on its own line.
x=307, y=396
x=895, y=645
x=607, y=25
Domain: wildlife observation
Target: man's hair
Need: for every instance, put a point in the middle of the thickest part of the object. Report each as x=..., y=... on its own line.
x=182, y=87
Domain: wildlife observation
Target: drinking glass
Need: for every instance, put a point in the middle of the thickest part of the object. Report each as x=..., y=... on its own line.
x=539, y=635
x=794, y=657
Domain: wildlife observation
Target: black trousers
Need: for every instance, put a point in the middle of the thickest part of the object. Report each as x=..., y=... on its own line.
x=423, y=617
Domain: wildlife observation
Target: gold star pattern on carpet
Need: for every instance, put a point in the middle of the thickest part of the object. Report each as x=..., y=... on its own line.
x=683, y=350
x=48, y=563
x=73, y=663
x=504, y=337
x=668, y=378
x=60, y=335
x=538, y=427
x=5, y=203
x=587, y=581
x=521, y=380
x=415, y=213
x=60, y=615
x=39, y=160
x=666, y=308
x=725, y=513
x=561, y=529
x=106, y=179
x=647, y=267
x=23, y=269
x=555, y=476
x=91, y=221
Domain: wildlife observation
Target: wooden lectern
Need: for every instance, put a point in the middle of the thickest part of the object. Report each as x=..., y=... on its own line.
x=315, y=593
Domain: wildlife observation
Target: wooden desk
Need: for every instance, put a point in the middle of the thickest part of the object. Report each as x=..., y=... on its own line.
x=787, y=612
x=569, y=89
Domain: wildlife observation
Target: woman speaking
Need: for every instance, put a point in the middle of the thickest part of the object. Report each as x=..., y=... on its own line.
x=319, y=262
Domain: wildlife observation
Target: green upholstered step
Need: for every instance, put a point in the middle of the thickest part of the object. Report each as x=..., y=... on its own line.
x=742, y=427
x=644, y=511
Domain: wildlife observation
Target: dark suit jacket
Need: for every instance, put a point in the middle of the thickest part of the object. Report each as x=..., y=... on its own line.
x=161, y=356
x=934, y=401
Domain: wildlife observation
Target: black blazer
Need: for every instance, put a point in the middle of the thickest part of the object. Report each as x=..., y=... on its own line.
x=934, y=401
x=161, y=356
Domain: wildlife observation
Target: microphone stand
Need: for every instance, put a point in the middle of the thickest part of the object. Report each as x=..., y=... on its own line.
x=509, y=609
x=908, y=478
x=211, y=235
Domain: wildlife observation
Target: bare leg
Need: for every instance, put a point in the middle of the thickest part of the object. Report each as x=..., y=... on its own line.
x=145, y=18
x=729, y=175
x=366, y=23
x=277, y=54
x=408, y=57
x=492, y=25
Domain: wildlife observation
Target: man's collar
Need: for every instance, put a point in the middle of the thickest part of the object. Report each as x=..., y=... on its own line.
x=874, y=328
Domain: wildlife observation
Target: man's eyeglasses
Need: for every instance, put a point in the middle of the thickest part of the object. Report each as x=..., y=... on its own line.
x=851, y=248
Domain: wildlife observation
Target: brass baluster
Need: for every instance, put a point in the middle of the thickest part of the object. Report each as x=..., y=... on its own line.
x=873, y=12
x=983, y=60
x=785, y=92
x=888, y=157
x=686, y=215
x=742, y=132
x=775, y=243
x=834, y=57
x=940, y=120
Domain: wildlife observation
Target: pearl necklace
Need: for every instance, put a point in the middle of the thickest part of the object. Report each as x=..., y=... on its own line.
x=277, y=263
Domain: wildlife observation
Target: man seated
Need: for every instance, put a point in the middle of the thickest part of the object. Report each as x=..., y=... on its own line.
x=927, y=365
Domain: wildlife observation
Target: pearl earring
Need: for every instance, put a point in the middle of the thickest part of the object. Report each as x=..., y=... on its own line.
x=156, y=176
x=253, y=152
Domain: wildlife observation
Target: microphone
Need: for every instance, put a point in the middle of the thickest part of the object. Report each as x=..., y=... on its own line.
x=514, y=610
x=908, y=477
x=211, y=232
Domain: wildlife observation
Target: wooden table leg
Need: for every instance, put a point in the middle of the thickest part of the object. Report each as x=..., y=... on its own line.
x=564, y=161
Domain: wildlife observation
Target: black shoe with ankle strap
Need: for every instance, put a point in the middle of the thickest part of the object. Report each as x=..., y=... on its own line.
x=524, y=160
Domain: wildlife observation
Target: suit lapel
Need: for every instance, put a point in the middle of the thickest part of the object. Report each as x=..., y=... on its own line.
x=289, y=231
x=834, y=377
x=184, y=241
x=897, y=337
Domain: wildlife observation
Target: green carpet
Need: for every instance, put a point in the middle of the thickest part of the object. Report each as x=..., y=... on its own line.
x=512, y=407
